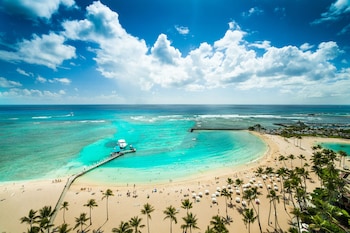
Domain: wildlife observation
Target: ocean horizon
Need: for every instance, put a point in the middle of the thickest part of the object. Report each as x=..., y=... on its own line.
x=51, y=141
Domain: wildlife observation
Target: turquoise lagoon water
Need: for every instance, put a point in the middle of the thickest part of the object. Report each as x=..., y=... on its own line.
x=338, y=147
x=54, y=141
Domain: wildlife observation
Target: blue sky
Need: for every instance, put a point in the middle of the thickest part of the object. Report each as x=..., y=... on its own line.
x=174, y=52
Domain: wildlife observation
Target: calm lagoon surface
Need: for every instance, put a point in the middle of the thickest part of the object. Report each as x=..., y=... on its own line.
x=40, y=142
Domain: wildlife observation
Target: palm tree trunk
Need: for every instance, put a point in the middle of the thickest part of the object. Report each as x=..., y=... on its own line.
x=276, y=219
x=107, y=207
x=274, y=206
x=258, y=215
x=226, y=208
x=147, y=224
x=269, y=214
x=90, y=217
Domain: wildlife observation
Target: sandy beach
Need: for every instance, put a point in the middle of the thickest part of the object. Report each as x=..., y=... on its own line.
x=17, y=198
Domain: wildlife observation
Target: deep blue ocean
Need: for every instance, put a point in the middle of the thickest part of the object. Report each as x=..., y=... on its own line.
x=51, y=141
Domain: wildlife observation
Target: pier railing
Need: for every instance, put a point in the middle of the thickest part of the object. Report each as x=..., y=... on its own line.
x=73, y=177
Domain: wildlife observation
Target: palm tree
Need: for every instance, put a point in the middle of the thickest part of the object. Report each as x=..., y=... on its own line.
x=218, y=224
x=64, y=207
x=91, y=204
x=250, y=195
x=248, y=217
x=31, y=219
x=318, y=224
x=273, y=198
x=281, y=174
x=45, y=214
x=229, y=181
x=239, y=183
x=301, y=157
x=331, y=213
x=147, y=210
x=135, y=222
x=106, y=195
x=259, y=171
x=304, y=174
x=209, y=230
x=190, y=222
x=342, y=155
x=268, y=170
x=282, y=158
x=297, y=213
x=124, y=227
x=80, y=221
x=170, y=213
x=63, y=228
x=299, y=139
x=291, y=157
x=186, y=204
x=226, y=194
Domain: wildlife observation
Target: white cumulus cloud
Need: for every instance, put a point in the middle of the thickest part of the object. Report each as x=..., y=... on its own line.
x=64, y=81
x=335, y=11
x=182, y=29
x=230, y=62
x=35, y=8
x=5, y=83
x=47, y=50
x=23, y=72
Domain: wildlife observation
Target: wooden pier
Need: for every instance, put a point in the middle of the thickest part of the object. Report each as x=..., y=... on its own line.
x=72, y=178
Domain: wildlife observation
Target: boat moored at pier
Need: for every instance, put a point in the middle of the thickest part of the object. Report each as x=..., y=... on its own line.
x=122, y=143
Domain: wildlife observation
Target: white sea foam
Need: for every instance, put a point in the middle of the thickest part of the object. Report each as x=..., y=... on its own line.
x=231, y=116
x=92, y=121
x=41, y=117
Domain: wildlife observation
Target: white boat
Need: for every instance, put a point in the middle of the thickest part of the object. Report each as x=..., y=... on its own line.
x=122, y=143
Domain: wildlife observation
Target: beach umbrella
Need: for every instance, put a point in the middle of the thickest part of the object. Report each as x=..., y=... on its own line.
x=218, y=189
x=257, y=201
x=198, y=198
x=229, y=186
x=238, y=192
x=194, y=195
x=244, y=203
x=206, y=192
x=217, y=194
x=223, y=187
x=200, y=194
x=269, y=186
x=213, y=200
x=213, y=195
x=238, y=200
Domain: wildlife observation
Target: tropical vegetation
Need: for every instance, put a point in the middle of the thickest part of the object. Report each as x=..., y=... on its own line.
x=323, y=209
